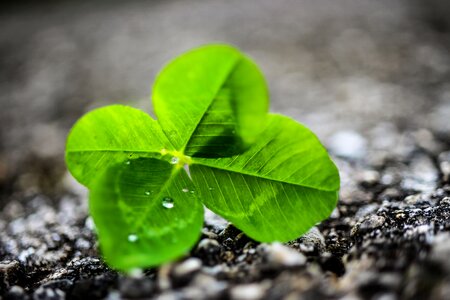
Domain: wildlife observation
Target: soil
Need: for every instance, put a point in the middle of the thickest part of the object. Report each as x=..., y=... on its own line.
x=371, y=78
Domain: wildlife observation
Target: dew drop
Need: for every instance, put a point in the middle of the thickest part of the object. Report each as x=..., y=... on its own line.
x=147, y=193
x=185, y=190
x=211, y=188
x=132, y=238
x=192, y=191
x=174, y=160
x=167, y=202
x=128, y=162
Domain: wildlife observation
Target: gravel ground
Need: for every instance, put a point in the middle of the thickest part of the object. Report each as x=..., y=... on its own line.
x=371, y=78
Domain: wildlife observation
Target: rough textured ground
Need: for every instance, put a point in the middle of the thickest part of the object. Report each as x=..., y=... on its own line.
x=370, y=77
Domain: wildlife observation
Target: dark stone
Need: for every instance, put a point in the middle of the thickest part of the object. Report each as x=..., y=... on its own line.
x=94, y=288
x=15, y=293
x=136, y=288
x=11, y=272
x=230, y=232
x=208, y=250
x=333, y=264
x=45, y=293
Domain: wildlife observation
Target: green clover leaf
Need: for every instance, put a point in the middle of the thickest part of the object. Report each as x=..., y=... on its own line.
x=267, y=174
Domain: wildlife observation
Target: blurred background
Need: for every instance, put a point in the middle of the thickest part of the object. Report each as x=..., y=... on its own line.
x=357, y=72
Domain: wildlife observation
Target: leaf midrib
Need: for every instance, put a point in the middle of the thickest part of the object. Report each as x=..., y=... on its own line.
x=230, y=72
x=261, y=176
x=139, y=223
x=113, y=150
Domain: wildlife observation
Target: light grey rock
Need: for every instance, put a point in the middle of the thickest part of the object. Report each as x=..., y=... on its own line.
x=441, y=249
x=421, y=176
x=210, y=286
x=278, y=254
x=369, y=177
x=385, y=296
x=426, y=140
x=367, y=210
x=43, y=293
x=348, y=143
x=312, y=241
x=247, y=292
x=16, y=292
x=414, y=199
x=444, y=164
x=187, y=267
x=215, y=221
x=445, y=201
x=207, y=244
x=372, y=222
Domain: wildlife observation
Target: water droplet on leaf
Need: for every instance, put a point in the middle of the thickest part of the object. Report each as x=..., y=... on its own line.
x=185, y=190
x=174, y=160
x=132, y=238
x=167, y=202
x=128, y=162
x=211, y=188
x=148, y=193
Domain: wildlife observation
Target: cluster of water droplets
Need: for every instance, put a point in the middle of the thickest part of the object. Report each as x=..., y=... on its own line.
x=167, y=202
x=186, y=190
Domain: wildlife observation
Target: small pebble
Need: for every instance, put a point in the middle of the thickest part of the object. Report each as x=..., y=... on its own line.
x=421, y=176
x=48, y=294
x=372, y=222
x=441, y=249
x=215, y=221
x=390, y=193
x=15, y=292
x=413, y=199
x=369, y=177
x=445, y=201
x=187, y=267
x=278, y=254
x=349, y=144
x=444, y=165
x=312, y=241
x=367, y=210
x=247, y=292
x=136, y=287
x=208, y=244
x=164, y=277
x=211, y=287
